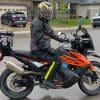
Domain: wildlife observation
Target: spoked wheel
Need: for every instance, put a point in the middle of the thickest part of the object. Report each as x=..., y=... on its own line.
x=91, y=86
x=11, y=88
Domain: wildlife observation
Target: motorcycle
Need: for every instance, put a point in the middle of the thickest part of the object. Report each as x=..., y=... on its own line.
x=17, y=82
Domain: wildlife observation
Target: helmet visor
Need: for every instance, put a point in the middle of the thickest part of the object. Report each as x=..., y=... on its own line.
x=47, y=14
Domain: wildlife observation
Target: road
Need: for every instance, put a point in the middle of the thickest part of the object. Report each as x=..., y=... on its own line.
x=73, y=93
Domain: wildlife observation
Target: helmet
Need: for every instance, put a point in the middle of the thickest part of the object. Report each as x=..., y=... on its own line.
x=45, y=10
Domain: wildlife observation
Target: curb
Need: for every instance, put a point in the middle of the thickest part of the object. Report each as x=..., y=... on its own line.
x=21, y=32
x=27, y=32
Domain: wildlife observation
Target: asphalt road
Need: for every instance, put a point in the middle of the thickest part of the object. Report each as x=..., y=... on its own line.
x=73, y=93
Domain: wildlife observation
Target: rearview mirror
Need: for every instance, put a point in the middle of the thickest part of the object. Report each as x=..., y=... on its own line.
x=62, y=35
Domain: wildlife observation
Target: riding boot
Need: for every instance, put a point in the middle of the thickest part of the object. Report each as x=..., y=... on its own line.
x=49, y=77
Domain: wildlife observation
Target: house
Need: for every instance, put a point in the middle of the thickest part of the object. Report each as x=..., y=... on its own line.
x=85, y=8
x=29, y=7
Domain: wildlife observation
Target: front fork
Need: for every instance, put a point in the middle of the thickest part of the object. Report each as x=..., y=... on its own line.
x=92, y=53
x=90, y=73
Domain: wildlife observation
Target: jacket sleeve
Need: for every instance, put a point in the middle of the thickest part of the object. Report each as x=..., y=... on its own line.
x=50, y=32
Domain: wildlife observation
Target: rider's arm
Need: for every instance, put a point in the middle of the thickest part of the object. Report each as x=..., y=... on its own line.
x=50, y=32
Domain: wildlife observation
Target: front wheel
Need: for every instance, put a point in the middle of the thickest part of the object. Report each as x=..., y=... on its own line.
x=87, y=86
x=12, y=89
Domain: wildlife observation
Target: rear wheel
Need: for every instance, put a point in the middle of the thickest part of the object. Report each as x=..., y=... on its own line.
x=12, y=89
x=86, y=84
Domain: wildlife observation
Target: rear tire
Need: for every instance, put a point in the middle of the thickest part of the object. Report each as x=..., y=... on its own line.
x=11, y=90
x=84, y=88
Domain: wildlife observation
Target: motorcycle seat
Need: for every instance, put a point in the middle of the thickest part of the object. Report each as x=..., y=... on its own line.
x=27, y=54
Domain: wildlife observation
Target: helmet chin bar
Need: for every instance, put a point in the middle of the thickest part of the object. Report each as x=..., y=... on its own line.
x=47, y=17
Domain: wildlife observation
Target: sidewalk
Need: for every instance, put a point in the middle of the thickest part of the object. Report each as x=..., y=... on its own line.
x=25, y=30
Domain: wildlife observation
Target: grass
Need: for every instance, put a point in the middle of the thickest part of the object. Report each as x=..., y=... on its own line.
x=68, y=22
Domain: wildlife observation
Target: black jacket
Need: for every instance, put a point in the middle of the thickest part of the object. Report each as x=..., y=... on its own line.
x=41, y=33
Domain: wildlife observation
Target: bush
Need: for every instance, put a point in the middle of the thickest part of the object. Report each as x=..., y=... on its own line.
x=67, y=22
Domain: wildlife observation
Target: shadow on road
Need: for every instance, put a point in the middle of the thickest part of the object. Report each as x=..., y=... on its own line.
x=50, y=98
x=97, y=97
x=21, y=99
x=44, y=98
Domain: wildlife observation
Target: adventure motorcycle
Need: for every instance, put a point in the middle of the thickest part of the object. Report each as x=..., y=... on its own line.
x=18, y=82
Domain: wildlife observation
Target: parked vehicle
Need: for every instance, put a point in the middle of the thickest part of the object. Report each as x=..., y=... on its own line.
x=14, y=18
x=18, y=82
x=96, y=20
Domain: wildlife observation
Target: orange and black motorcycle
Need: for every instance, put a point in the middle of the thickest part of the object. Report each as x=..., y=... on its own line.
x=18, y=81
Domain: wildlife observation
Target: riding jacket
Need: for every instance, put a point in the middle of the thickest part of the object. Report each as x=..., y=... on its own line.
x=41, y=34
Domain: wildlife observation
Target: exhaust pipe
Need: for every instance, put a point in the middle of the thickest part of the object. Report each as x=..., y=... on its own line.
x=18, y=70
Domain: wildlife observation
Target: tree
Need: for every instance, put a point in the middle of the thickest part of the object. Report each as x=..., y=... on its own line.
x=62, y=7
x=59, y=7
x=54, y=8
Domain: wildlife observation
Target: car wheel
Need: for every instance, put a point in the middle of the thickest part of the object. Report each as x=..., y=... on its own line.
x=2, y=22
x=94, y=26
x=24, y=25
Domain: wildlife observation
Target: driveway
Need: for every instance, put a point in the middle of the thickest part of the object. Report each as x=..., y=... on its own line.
x=15, y=29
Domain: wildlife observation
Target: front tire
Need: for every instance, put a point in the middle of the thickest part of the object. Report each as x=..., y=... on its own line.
x=9, y=88
x=82, y=83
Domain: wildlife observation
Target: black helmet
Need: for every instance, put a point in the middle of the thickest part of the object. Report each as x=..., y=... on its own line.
x=45, y=10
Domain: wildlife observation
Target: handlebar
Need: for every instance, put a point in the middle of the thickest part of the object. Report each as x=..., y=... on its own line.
x=77, y=37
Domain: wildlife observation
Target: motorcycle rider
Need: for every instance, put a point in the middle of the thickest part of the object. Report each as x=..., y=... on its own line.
x=41, y=34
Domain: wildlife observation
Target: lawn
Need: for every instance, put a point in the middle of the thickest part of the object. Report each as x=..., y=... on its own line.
x=68, y=22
